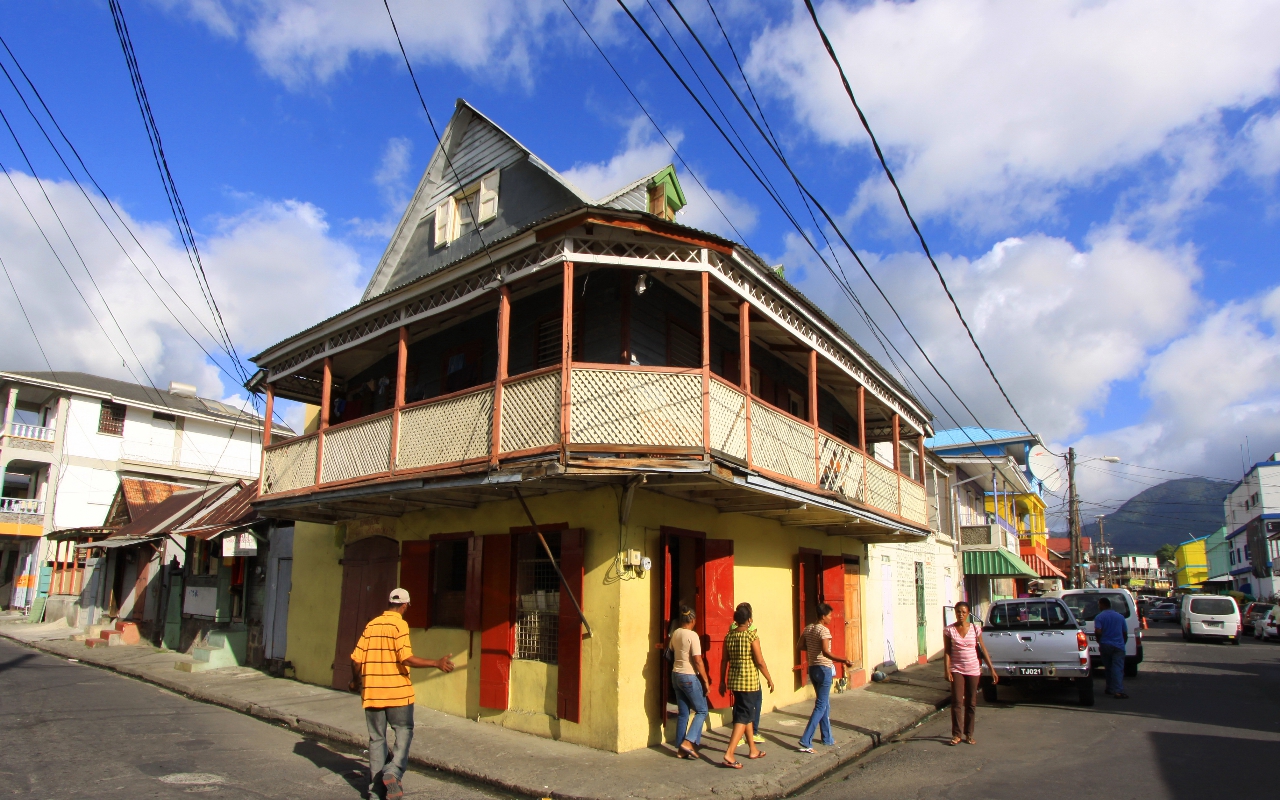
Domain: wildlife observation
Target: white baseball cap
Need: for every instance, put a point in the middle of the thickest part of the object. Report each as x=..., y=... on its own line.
x=399, y=596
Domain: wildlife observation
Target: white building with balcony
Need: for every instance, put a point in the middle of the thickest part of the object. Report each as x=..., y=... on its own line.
x=1252, y=512
x=68, y=439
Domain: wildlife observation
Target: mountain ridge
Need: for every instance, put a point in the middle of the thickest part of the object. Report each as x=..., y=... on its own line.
x=1169, y=513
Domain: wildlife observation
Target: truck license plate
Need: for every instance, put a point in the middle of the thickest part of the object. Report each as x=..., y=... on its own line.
x=1093, y=649
x=1030, y=671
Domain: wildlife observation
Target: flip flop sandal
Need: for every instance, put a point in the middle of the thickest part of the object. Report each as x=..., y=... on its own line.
x=805, y=749
x=731, y=764
x=682, y=752
x=760, y=754
x=970, y=741
x=955, y=741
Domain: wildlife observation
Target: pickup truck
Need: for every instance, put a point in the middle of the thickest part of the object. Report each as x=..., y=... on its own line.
x=1036, y=642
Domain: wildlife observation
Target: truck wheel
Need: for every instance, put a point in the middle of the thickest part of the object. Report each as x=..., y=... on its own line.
x=1085, y=688
x=989, y=692
x=1186, y=635
x=1235, y=639
x=1130, y=668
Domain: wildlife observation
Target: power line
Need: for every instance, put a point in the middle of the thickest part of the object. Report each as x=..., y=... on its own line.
x=179, y=212
x=782, y=205
x=903, y=201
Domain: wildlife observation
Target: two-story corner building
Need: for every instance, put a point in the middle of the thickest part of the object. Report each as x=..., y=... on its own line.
x=683, y=425
x=1218, y=562
x=1252, y=512
x=1140, y=572
x=998, y=500
x=69, y=441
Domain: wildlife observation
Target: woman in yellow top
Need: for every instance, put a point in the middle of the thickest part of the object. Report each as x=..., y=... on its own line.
x=742, y=660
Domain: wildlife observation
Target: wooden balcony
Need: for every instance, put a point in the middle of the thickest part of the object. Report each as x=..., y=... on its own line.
x=659, y=412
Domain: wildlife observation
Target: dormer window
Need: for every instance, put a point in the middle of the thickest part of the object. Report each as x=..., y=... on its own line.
x=460, y=214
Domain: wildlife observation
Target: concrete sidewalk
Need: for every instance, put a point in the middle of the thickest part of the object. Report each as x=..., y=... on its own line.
x=531, y=765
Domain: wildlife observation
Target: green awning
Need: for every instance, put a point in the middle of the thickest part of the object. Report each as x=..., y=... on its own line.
x=996, y=562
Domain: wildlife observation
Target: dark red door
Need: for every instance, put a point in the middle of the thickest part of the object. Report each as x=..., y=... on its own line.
x=370, y=568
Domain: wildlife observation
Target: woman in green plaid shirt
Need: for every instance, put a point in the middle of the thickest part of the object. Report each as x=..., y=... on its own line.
x=745, y=664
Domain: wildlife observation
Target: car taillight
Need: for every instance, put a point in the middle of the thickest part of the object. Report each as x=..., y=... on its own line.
x=1082, y=641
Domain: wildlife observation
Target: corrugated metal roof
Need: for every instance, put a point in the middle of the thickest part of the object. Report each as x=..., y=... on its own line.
x=171, y=512
x=971, y=436
x=141, y=496
x=230, y=511
x=996, y=562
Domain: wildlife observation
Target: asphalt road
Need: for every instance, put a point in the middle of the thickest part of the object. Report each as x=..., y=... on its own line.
x=71, y=730
x=1203, y=721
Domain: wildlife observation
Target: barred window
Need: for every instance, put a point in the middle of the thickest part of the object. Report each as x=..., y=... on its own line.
x=448, y=604
x=538, y=594
x=111, y=419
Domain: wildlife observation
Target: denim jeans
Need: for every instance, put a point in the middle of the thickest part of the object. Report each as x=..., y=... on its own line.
x=1113, y=660
x=689, y=695
x=821, y=677
x=400, y=718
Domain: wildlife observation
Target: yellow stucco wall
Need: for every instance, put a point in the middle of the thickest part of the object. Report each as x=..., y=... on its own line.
x=313, y=601
x=622, y=668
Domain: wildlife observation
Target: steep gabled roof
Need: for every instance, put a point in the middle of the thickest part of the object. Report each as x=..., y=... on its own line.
x=471, y=146
x=135, y=497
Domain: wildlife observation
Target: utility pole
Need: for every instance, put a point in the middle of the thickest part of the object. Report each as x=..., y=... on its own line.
x=1104, y=555
x=1073, y=521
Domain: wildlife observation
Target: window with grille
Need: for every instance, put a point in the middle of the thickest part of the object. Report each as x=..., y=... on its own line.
x=549, y=333
x=111, y=419
x=684, y=347
x=538, y=599
x=449, y=583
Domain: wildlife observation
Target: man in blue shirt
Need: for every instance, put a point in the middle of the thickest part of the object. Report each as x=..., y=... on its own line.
x=1112, y=632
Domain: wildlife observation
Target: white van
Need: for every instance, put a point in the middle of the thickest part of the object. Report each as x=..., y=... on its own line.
x=1210, y=617
x=1084, y=604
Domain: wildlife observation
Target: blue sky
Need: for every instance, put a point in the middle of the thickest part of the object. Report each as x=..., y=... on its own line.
x=1097, y=179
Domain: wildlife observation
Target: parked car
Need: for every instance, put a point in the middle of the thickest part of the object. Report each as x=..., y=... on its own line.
x=1269, y=626
x=1253, y=614
x=1163, y=612
x=1084, y=604
x=1210, y=617
x=1036, y=642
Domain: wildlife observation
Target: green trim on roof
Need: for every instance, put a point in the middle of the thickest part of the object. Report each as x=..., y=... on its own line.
x=671, y=186
x=996, y=562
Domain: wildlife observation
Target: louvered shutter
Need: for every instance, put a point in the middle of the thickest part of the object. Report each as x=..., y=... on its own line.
x=488, y=207
x=415, y=576
x=444, y=222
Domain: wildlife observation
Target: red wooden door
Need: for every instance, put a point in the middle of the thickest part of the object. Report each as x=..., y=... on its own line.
x=832, y=587
x=569, y=635
x=717, y=614
x=369, y=573
x=672, y=540
x=497, y=618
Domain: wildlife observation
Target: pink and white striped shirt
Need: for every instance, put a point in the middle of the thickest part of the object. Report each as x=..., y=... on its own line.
x=964, y=650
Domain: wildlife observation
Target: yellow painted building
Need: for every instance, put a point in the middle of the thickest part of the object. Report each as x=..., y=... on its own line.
x=684, y=426
x=1191, y=565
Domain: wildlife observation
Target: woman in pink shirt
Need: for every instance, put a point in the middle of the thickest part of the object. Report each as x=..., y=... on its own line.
x=962, y=642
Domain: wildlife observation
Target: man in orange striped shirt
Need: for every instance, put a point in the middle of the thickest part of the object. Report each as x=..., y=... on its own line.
x=380, y=668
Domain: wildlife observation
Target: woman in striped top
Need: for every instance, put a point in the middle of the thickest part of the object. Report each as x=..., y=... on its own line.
x=962, y=642
x=816, y=641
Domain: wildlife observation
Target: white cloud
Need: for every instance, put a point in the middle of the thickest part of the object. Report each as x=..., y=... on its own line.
x=990, y=110
x=304, y=41
x=1060, y=325
x=1260, y=150
x=391, y=178
x=1210, y=389
x=644, y=153
x=274, y=270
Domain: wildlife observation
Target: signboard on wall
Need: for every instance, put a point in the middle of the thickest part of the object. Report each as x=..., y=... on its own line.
x=241, y=544
x=200, y=601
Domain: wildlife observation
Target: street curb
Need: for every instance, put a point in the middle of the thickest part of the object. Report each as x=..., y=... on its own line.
x=769, y=789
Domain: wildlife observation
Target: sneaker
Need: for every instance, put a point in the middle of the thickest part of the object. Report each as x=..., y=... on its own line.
x=394, y=790
x=758, y=739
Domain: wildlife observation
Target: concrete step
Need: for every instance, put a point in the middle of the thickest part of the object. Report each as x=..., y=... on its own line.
x=192, y=666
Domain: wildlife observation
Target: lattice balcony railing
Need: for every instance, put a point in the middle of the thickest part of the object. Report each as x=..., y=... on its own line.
x=914, y=504
x=728, y=421
x=446, y=432
x=531, y=413
x=882, y=486
x=781, y=444
x=633, y=408
x=842, y=469
x=290, y=466
x=356, y=450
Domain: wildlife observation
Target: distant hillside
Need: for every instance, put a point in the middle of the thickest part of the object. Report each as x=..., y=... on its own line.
x=1172, y=512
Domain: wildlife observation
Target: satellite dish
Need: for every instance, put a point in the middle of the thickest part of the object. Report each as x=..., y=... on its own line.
x=1047, y=467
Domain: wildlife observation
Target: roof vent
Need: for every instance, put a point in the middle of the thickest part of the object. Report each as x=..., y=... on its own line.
x=182, y=389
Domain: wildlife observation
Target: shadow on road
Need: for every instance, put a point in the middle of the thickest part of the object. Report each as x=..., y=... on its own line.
x=1195, y=767
x=16, y=662
x=355, y=771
